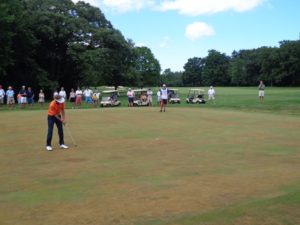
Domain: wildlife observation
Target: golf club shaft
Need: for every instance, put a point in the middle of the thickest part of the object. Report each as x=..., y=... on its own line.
x=70, y=135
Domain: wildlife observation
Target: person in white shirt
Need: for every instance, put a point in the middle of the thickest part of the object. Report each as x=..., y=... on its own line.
x=72, y=97
x=164, y=98
x=63, y=93
x=149, y=96
x=78, y=94
x=130, y=95
x=2, y=94
x=211, y=93
x=88, y=95
x=158, y=96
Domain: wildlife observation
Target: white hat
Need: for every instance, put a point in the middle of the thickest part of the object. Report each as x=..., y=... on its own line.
x=59, y=98
x=164, y=85
x=211, y=86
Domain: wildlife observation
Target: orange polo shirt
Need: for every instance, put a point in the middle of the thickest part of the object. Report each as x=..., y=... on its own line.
x=55, y=108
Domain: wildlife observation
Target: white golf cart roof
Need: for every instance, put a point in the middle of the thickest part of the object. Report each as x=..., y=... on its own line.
x=109, y=91
x=196, y=89
x=140, y=90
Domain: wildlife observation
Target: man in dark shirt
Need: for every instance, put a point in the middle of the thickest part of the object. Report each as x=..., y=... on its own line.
x=30, y=96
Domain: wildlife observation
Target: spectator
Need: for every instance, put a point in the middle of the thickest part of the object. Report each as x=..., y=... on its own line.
x=41, y=100
x=95, y=98
x=130, y=95
x=30, y=96
x=78, y=94
x=211, y=94
x=158, y=96
x=72, y=97
x=261, y=91
x=2, y=95
x=23, y=96
x=149, y=96
x=88, y=95
x=10, y=94
x=63, y=93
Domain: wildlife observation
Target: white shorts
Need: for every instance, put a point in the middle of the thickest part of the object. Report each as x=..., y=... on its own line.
x=10, y=100
x=211, y=97
x=261, y=93
x=23, y=100
x=1, y=100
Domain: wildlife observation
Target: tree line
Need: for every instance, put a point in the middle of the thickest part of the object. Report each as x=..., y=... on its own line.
x=278, y=66
x=52, y=43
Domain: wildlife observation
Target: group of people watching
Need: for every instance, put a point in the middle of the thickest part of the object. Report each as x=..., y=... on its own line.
x=26, y=96
x=75, y=97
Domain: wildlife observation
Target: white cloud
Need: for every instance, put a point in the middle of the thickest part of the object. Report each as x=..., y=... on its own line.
x=200, y=7
x=121, y=6
x=198, y=30
x=127, y=5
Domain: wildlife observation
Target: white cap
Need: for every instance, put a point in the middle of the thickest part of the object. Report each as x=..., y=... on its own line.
x=164, y=85
x=59, y=98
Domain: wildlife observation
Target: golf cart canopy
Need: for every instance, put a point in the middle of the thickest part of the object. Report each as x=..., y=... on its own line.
x=140, y=90
x=109, y=91
x=199, y=90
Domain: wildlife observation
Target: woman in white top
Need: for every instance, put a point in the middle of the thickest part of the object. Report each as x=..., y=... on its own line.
x=130, y=95
x=41, y=98
x=72, y=97
x=78, y=94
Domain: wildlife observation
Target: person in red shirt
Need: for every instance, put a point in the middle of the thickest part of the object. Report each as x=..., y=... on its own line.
x=56, y=114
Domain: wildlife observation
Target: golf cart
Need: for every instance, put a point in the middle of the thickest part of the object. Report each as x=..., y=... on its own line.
x=195, y=96
x=140, y=97
x=109, y=98
x=173, y=96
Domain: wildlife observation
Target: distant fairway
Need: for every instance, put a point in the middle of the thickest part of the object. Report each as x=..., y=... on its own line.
x=192, y=165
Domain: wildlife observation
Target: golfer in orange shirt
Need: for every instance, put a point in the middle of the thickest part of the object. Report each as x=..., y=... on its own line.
x=56, y=114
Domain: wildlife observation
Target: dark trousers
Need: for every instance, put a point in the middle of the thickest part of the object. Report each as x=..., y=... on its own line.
x=51, y=121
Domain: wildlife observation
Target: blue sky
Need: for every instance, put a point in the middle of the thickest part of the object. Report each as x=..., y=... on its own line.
x=176, y=30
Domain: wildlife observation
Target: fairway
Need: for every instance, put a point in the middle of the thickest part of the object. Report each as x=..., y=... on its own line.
x=136, y=166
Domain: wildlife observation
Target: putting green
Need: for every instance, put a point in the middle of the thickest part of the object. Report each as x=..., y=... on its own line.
x=139, y=166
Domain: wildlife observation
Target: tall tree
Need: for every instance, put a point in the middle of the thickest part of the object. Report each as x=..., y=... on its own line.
x=146, y=68
x=192, y=75
x=216, y=70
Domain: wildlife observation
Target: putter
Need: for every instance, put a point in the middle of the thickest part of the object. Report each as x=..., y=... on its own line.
x=71, y=136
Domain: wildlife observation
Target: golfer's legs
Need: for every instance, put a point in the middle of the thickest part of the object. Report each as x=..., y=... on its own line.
x=50, y=130
x=60, y=131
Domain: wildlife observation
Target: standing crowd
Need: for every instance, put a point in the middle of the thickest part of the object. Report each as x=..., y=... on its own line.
x=26, y=96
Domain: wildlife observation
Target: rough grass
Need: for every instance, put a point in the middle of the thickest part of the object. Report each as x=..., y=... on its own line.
x=277, y=100
x=136, y=166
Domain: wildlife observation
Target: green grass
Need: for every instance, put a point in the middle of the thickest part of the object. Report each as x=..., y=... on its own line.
x=277, y=100
x=232, y=162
